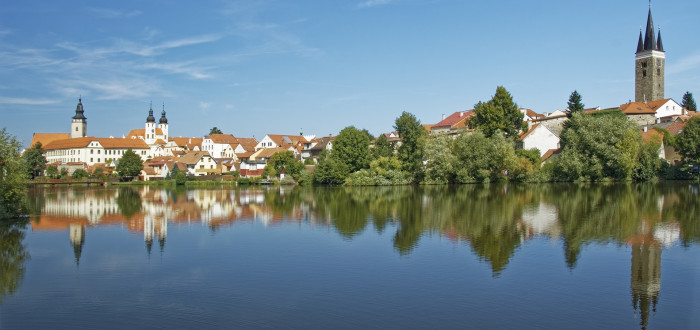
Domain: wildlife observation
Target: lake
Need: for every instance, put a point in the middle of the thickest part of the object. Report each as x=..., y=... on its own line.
x=547, y=256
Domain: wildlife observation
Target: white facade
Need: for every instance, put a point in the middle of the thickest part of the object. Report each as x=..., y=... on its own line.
x=540, y=137
x=669, y=108
x=91, y=152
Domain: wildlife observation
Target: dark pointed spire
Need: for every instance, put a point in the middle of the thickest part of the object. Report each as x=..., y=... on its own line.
x=150, y=118
x=649, y=40
x=640, y=43
x=79, y=112
x=659, y=45
x=163, y=120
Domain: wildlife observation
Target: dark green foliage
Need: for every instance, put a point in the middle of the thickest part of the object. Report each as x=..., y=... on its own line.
x=383, y=171
x=130, y=165
x=598, y=147
x=330, y=171
x=215, y=130
x=180, y=177
x=79, y=174
x=413, y=137
x=35, y=160
x=98, y=172
x=52, y=172
x=440, y=160
x=283, y=160
x=482, y=159
x=648, y=162
x=382, y=148
x=129, y=201
x=64, y=173
x=498, y=114
x=688, y=102
x=688, y=141
x=574, y=105
x=369, y=135
x=13, y=175
x=351, y=147
x=13, y=255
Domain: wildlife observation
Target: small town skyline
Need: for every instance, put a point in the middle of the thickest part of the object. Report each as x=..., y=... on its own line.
x=257, y=69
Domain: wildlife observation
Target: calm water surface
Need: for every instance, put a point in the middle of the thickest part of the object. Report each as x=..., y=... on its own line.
x=622, y=256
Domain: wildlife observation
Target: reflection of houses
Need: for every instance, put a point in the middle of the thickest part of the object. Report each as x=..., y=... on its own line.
x=541, y=220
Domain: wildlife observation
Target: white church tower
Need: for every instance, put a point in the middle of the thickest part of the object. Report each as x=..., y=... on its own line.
x=150, y=133
x=78, y=128
x=163, y=125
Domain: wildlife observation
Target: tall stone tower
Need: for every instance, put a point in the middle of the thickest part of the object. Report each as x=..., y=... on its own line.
x=78, y=128
x=649, y=65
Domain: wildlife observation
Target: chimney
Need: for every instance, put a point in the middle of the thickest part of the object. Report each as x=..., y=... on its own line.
x=461, y=114
x=443, y=116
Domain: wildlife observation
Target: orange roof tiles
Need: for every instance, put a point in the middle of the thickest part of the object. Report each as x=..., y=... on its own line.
x=657, y=103
x=46, y=138
x=652, y=135
x=636, y=108
x=247, y=143
x=222, y=138
x=192, y=158
x=107, y=143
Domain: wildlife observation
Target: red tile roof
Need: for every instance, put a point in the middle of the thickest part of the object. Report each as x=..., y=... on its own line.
x=222, y=138
x=46, y=138
x=107, y=143
x=457, y=118
x=636, y=108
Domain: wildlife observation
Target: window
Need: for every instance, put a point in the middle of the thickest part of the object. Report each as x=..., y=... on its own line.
x=91, y=151
x=658, y=72
x=644, y=73
x=76, y=128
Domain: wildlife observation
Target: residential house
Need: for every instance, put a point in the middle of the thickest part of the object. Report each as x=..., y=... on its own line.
x=666, y=108
x=199, y=163
x=529, y=115
x=255, y=163
x=277, y=141
x=452, y=124
x=220, y=145
x=540, y=137
x=640, y=113
x=316, y=146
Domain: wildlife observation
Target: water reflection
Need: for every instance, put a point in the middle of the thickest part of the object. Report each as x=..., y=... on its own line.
x=13, y=255
x=494, y=221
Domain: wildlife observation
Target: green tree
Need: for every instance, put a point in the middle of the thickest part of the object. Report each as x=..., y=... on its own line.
x=382, y=148
x=330, y=170
x=483, y=159
x=35, y=160
x=413, y=137
x=13, y=175
x=129, y=201
x=688, y=101
x=64, y=173
x=688, y=141
x=130, y=165
x=439, y=167
x=574, y=105
x=500, y=113
x=79, y=174
x=215, y=130
x=351, y=147
x=598, y=147
x=98, y=172
x=283, y=160
x=52, y=172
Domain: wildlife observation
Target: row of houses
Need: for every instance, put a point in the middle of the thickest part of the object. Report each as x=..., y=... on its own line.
x=544, y=130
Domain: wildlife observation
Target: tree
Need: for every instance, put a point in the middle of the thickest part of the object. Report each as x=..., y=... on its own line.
x=500, y=113
x=52, y=172
x=598, y=147
x=98, y=172
x=351, y=147
x=483, y=159
x=688, y=141
x=330, y=170
x=35, y=160
x=439, y=153
x=130, y=165
x=79, y=174
x=283, y=160
x=13, y=176
x=688, y=102
x=574, y=103
x=215, y=130
x=413, y=137
x=382, y=148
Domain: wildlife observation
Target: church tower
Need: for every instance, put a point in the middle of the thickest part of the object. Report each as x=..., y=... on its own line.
x=163, y=124
x=150, y=133
x=649, y=65
x=78, y=128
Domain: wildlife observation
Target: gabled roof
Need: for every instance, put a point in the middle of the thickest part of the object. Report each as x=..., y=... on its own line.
x=193, y=157
x=530, y=113
x=454, y=120
x=281, y=140
x=636, y=108
x=46, y=138
x=322, y=143
x=267, y=153
x=550, y=153
x=107, y=143
x=222, y=138
x=186, y=142
x=653, y=134
x=532, y=129
x=247, y=143
x=655, y=105
x=676, y=128
x=142, y=132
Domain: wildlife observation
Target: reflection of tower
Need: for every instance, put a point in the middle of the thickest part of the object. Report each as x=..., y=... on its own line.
x=646, y=278
x=162, y=233
x=148, y=232
x=77, y=239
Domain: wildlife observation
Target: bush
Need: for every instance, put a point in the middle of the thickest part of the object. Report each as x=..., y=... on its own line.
x=79, y=174
x=180, y=178
x=243, y=181
x=383, y=171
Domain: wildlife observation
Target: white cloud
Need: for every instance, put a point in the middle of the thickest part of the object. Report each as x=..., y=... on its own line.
x=25, y=101
x=204, y=106
x=373, y=3
x=181, y=68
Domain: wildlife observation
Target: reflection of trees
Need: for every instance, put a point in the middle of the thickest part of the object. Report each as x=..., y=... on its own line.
x=683, y=205
x=129, y=201
x=12, y=255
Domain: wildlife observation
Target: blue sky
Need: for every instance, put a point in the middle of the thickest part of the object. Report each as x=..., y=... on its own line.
x=279, y=67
